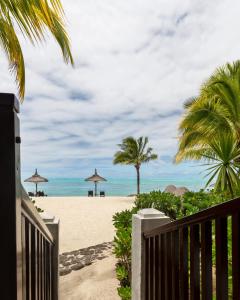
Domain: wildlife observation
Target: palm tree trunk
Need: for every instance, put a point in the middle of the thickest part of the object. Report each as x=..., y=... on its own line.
x=138, y=178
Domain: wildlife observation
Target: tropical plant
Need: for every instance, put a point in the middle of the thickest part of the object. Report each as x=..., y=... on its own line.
x=172, y=206
x=222, y=155
x=215, y=113
x=122, y=250
x=32, y=17
x=134, y=152
x=167, y=203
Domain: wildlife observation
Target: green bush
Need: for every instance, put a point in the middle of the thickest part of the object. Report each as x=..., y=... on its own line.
x=124, y=293
x=170, y=205
x=122, y=250
x=167, y=203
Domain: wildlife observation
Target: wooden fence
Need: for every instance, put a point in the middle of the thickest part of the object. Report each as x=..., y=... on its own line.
x=197, y=257
x=27, y=246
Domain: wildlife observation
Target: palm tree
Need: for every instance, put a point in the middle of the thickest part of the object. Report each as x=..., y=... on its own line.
x=134, y=152
x=222, y=155
x=32, y=17
x=210, y=119
x=215, y=111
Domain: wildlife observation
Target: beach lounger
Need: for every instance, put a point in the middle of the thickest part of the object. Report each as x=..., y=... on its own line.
x=90, y=193
x=102, y=194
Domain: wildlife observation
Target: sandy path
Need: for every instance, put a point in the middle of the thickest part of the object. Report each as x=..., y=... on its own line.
x=95, y=282
x=84, y=221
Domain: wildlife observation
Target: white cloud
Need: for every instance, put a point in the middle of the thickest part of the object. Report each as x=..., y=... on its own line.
x=135, y=64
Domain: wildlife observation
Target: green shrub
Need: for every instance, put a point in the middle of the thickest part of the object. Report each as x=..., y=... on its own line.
x=193, y=202
x=123, y=219
x=167, y=203
x=122, y=250
x=124, y=292
x=170, y=205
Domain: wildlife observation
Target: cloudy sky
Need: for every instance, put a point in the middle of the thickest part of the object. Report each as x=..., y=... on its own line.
x=136, y=62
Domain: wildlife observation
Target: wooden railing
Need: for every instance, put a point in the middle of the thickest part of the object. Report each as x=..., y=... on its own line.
x=37, y=254
x=28, y=251
x=197, y=257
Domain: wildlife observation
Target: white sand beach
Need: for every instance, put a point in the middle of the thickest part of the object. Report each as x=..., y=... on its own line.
x=86, y=222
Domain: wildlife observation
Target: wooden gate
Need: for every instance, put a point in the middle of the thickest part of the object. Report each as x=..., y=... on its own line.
x=26, y=248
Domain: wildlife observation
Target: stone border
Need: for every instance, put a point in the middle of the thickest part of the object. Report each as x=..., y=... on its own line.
x=78, y=259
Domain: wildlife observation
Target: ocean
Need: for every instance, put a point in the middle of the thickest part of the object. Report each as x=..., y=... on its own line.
x=113, y=186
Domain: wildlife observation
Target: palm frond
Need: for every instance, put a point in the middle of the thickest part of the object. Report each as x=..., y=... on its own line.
x=33, y=17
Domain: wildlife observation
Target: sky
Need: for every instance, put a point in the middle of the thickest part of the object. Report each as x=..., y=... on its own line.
x=136, y=62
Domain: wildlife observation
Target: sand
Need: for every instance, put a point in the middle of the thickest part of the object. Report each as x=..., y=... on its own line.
x=96, y=282
x=86, y=222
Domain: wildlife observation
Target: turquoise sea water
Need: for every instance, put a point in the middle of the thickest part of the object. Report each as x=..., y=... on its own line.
x=113, y=187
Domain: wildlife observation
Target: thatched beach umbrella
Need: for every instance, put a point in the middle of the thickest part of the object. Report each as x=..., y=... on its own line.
x=170, y=189
x=95, y=178
x=36, y=178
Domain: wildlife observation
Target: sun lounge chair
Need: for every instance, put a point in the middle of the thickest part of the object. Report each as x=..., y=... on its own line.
x=90, y=193
x=102, y=194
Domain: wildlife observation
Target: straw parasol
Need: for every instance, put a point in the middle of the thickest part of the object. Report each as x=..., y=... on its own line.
x=170, y=189
x=36, y=178
x=95, y=178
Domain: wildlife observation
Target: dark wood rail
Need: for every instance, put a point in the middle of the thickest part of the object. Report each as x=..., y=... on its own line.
x=37, y=253
x=27, y=246
x=196, y=257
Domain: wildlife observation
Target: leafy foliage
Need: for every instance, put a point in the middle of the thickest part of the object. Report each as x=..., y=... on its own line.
x=37, y=208
x=170, y=205
x=122, y=250
x=210, y=128
x=134, y=152
x=123, y=219
x=167, y=203
x=124, y=292
x=32, y=17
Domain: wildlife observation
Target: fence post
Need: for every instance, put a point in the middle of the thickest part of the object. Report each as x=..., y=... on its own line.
x=145, y=220
x=52, y=224
x=10, y=199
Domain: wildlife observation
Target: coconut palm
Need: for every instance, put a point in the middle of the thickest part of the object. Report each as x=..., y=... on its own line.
x=210, y=119
x=222, y=155
x=33, y=18
x=134, y=152
x=215, y=110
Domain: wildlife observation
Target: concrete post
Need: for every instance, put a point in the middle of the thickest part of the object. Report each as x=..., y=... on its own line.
x=53, y=225
x=145, y=220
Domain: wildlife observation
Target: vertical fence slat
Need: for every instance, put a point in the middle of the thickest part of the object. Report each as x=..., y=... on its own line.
x=24, y=274
x=50, y=271
x=162, y=267
x=40, y=265
x=33, y=262
x=194, y=262
x=175, y=264
x=183, y=263
x=147, y=267
x=151, y=253
x=236, y=255
x=221, y=259
x=28, y=258
x=43, y=270
x=168, y=269
x=206, y=260
x=157, y=270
